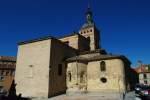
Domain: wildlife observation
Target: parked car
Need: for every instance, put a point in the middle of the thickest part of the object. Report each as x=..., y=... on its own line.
x=138, y=88
x=143, y=91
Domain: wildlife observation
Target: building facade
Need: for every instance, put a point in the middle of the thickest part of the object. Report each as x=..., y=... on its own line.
x=7, y=73
x=143, y=74
x=72, y=64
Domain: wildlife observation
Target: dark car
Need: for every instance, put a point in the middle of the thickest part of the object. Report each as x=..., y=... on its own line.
x=138, y=88
x=143, y=91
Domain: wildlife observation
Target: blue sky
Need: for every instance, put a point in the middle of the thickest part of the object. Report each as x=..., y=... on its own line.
x=124, y=24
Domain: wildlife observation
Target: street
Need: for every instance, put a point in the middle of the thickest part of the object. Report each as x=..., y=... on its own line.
x=129, y=96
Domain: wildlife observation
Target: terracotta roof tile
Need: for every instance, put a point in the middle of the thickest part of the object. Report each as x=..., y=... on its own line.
x=7, y=58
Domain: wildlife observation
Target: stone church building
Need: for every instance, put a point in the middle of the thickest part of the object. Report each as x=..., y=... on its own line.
x=76, y=63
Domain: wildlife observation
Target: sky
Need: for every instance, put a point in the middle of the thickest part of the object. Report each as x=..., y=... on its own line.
x=124, y=24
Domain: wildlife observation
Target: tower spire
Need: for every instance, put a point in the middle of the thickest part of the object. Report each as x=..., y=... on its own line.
x=89, y=14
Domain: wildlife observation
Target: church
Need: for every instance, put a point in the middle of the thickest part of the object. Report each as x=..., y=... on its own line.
x=76, y=63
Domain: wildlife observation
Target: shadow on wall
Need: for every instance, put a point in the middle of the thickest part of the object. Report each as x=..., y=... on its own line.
x=12, y=94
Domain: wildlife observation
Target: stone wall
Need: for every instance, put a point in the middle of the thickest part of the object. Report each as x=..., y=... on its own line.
x=114, y=74
x=77, y=80
x=41, y=68
x=32, y=69
x=77, y=41
x=59, y=52
x=71, y=41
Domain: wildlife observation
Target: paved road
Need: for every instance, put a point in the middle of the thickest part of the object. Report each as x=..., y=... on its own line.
x=129, y=96
x=82, y=98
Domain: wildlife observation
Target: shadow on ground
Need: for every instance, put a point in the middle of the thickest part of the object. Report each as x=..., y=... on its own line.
x=13, y=98
x=12, y=94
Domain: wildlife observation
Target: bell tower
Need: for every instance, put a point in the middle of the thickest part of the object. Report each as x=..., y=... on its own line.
x=89, y=30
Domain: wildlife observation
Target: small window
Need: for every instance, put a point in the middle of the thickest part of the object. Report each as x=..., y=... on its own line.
x=69, y=76
x=1, y=78
x=145, y=81
x=31, y=71
x=103, y=80
x=2, y=72
x=82, y=77
x=91, y=30
x=144, y=75
x=60, y=69
x=30, y=66
x=7, y=73
x=12, y=73
x=102, y=66
x=1, y=87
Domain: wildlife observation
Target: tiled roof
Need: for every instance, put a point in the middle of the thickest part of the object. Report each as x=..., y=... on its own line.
x=101, y=51
x=97, y=57
x=7, y=58
x=142, y=68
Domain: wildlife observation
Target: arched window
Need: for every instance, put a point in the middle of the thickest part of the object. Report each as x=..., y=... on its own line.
x=91, y=30
x=103, y=66
x=82, y=77
x=69, y=76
